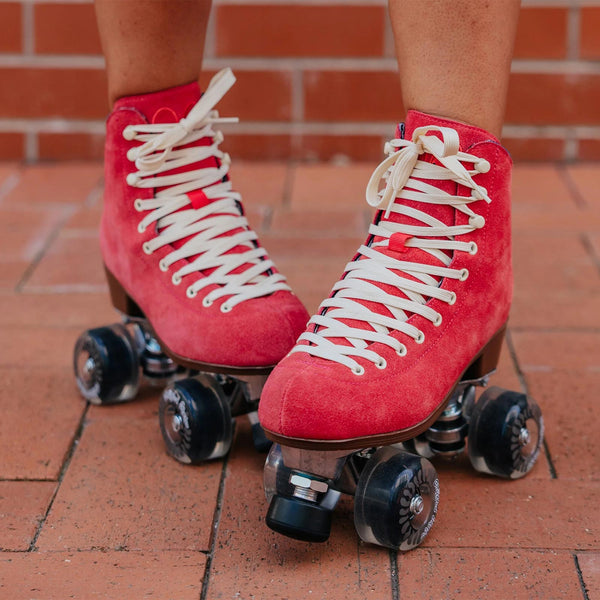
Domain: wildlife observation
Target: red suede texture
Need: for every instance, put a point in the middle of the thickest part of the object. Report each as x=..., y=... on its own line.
x=311, y=398
x=255, y=333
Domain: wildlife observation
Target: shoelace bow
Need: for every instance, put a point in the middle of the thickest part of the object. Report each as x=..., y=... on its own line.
x=403, y=172
x=211, y=227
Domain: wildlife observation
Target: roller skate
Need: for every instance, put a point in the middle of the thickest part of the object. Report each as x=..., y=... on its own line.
x=205, y=312
x=384, y=377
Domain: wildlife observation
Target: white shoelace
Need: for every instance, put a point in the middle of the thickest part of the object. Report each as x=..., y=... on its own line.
x=209, y=225
x=401, y=170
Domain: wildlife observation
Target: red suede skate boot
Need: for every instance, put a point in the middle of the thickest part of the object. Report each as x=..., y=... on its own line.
x=176, y=244
x=422, y=305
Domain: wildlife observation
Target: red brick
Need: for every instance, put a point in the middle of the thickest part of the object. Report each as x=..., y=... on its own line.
x=275, y=31
x=46, y=398
x=70, y=146
x=22, y=505
x=545, y=99
x=557, y=350
x=53, y=92
x=568, y=398
x=488, y=512
x=352, y=147
x=255, y=147
x=327, y=186
x=66, y=29
x=589, y=150
x=590, y=25
x=540, y=187
x=261, y=184
x=250, y=561
x=318, y=223
x=85, y=575
x=56, y=310
x=12, y=145
x=563, y=264
x=72, y=262
x=587, y=182
x=353, y=96
x=428, y=574
x=24, y=232
x=542, y=33
x=11, y=272
x=256, y=96
x=122, y=491
x=10, y=27
x=590, y=571
x=44, y=185
x=535, y=149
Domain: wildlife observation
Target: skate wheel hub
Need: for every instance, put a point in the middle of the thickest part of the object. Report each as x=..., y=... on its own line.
x=524, y=436
x=417, y=505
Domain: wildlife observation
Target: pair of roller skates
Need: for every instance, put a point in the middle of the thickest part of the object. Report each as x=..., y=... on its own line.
x=381, y=379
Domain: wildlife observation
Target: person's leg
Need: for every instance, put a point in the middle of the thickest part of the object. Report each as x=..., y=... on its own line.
x=176, y=245
x=151, y=45
x=423, y=304
x=454, y=57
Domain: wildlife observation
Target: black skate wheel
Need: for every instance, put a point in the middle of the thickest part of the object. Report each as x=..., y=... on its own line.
x=106, y=365
x=195, y=420
x=299, y=519
x=505, y=433
x=396, y=499
x=260, y=441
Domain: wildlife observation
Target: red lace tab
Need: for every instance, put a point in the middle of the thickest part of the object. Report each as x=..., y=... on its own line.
x=398, y=242
x=198, y=198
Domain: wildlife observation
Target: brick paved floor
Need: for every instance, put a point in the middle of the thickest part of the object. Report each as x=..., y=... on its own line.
x=91, y=506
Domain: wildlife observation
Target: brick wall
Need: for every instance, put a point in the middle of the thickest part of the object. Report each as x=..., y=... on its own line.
x=314, y=80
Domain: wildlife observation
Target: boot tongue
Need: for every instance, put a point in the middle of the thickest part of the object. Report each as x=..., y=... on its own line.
x=446, y=214
x=468, y=134
x=177, y=101
x=170, y=106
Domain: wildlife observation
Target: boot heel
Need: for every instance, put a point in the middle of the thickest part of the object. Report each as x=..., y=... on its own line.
x=487, y=361
x=120, y=298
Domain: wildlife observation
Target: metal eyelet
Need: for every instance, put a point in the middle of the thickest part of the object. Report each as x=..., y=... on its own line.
x=464, y=274
x=476, y=221
x=438, y=321
x=128, y=133
x=382, y=363
x=206, y=302
x=146, y=248
x=163, y=266
x=452, y=299
x=483, y=166
x=360, y=370
x=176, y=279
x=473, y=249
x=420, y=338
x=191, y=292
x=225, y=308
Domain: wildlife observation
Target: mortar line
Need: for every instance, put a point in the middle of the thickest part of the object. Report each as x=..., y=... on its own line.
x=589, y=248
x=215, y=529
x=573, y=32
x=288, y=184
x=61, y=476
x=521, y=376
x=584, y=590
x=32, y=266
x=569, y=182
x=395, y=582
